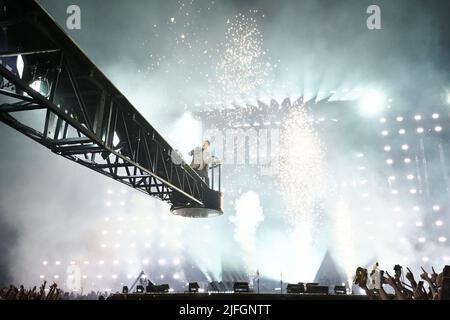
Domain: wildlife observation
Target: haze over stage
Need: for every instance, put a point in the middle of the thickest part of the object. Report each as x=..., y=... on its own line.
x=361, y=117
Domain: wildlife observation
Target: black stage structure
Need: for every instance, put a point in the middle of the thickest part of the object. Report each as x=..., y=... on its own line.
x=77, y=113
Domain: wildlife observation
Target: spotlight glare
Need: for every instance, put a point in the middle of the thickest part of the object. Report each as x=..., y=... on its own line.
x=442, y=239
x=436, y=208
x=407, y=160
x=389, y=161
x=421, y=239
x=425, y=259
x=420, y=130
x=387, y=148
x=417, y=117
x=419, y=223
x=405, y=147
x=382, y=120
x=439, y=223
x=435, y=116
x=438, y=129
x=402, y=131
x=413, y=191
x=384, y=133
x=372, y=103
x=399, y=119
x=410, y=177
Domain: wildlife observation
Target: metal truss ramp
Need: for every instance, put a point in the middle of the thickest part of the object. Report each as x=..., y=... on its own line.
x=51, y=92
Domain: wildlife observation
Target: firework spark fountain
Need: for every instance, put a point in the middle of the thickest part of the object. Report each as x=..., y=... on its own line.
x=243, y=66
x=249, y=215
x=344, y=250
x=301, y=175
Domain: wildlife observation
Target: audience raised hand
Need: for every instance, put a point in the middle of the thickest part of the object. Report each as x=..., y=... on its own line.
x=417, y=290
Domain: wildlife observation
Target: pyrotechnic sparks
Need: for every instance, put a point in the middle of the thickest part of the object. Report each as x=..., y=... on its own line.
x=343, y=231
x=242, y=67
x=301, y=175
x=249, y=215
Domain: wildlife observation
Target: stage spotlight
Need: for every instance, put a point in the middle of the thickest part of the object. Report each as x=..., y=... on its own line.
x=405, y=147
x=140, y=288
x=382, y=120
x=435, y=116
x=410, y=177
x=295, y=288
x=41, y=86
x=438, y=129
x=442, y=239
x=421, y=239
x=436, y=208
x=407, y=160
x=399, y=119
x=193, y=287
x=439, y=223
x=384, y=133
x=315, y=288
x=401, y=131
x=417, y=117
x=420, y=130
x=20, y=65
x=241, y=287
x=425, y=259
x=340, y=290
x=372, y=103
x=387, y=148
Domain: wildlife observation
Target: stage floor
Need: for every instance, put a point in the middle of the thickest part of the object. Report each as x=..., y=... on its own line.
x=232, y=296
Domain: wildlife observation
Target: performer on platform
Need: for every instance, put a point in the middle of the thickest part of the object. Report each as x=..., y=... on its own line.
x=201, y=160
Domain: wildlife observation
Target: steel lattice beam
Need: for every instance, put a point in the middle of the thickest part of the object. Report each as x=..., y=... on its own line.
x=84, y=117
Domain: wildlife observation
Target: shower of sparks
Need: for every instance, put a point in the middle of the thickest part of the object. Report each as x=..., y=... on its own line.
x=243, y=66
x=343, y=241
x=301, y=174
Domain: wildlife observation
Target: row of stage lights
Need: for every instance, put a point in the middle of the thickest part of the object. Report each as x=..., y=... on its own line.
x=175, y=276
x=161, y=262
